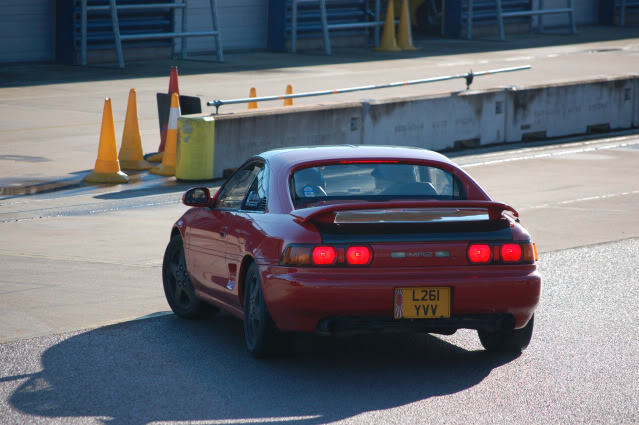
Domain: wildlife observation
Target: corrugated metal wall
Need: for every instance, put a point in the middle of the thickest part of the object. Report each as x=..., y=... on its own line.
x=27, y=30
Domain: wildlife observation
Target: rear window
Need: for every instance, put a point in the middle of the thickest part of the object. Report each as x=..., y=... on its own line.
x=372, y=182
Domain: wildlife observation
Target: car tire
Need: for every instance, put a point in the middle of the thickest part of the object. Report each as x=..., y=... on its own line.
x=260, y=333
x=178, y=288
x=514, y=341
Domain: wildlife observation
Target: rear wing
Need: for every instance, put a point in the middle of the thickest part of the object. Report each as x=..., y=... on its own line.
x=403, y=211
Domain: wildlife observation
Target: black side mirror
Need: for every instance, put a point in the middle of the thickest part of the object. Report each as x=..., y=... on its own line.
x=197, y=197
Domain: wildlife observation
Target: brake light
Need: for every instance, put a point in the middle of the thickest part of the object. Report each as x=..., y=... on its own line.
x=326, y=255
x=323, y=255
x=479, y=253
x=520, y=252
x=358, y=255
x=511, y=253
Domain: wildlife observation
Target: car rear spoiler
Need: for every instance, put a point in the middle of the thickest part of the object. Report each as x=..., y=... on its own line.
x=495, y=209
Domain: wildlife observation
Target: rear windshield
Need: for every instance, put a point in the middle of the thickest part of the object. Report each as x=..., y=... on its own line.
x=372, y=182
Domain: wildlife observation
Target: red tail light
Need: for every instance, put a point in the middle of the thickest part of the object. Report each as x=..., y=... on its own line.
x=326, y=255
x=323, y=255
x=358, y=255
x=508, y=253
x=511, y=253
x=479, y=253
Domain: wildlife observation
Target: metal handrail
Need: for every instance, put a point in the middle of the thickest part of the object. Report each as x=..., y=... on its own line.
x=469, y=76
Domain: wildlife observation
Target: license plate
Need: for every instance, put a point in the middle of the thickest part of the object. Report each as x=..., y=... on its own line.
x=422, y=303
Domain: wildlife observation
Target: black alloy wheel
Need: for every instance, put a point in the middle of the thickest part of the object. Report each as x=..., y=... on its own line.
x=178, y=288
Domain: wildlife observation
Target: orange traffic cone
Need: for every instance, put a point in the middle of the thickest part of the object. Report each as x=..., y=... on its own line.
x=404, y=36
x=131, y=156
x=289, y=90
x=169, y=161
x=107, y=166
x=173, y=88
x=252, y=105
x=389, y=42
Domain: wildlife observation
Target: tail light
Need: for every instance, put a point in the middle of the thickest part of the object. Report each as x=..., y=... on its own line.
x=480, y=253
x=509, y=253
x=326, y=255
x=358, y=255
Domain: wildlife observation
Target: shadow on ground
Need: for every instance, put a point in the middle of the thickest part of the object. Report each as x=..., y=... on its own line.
x=168, y=369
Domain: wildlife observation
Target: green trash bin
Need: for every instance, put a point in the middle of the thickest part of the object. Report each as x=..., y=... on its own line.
x=195, y=147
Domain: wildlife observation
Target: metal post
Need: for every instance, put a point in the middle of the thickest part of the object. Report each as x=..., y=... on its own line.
x=116, y=33
x=540, y=22
x=216, y=27
x=573, y=29
x=294, y=26
x=378, y=11
x=622, y=13
x=500, y=21
x=469, y=20
x=183, y=40
x=83, y=41
x=327, y=42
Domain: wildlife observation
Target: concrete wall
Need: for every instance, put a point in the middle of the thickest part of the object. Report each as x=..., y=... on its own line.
x=458, y=120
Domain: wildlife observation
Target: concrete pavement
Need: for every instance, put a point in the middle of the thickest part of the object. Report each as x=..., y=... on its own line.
x=50, y=115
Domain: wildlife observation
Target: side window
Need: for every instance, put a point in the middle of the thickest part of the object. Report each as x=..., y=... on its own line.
x=256, y=199
x=235, y=190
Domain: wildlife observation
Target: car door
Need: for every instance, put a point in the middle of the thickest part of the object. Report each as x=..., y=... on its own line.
x=211, y=232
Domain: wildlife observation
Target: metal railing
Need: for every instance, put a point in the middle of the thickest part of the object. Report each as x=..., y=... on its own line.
x=113, y=8
x=521, y=13
x=376, y=24
x=469, y=76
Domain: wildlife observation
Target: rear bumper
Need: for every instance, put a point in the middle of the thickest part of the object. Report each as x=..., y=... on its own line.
x=338, y=300
x=357, y=325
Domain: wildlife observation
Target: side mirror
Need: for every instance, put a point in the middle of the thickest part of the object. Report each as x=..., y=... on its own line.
x=197, y=197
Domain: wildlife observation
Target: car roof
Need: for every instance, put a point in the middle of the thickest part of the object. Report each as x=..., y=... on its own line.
x=296, y=155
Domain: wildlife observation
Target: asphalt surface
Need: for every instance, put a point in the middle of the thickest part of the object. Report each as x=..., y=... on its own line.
x=581, y=367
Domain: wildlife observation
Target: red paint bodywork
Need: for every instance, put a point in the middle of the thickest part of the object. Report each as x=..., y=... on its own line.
x=219, y=246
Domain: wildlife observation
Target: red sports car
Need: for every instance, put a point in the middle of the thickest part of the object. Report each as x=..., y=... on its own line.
x=341, y=239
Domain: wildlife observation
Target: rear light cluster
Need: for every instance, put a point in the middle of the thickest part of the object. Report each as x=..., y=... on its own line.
x=327, y=255
x=508, y=253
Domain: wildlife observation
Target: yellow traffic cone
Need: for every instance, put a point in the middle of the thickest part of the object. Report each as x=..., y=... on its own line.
x=167, y=168
x=252, y=105
x=389, y=42
x=404, y=36
x=131, y=156
x=289, y=90
x=107, y=166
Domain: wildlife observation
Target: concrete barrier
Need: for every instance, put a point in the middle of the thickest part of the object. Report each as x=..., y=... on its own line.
x=462, y=119
x=441, y=122
x=560, y=110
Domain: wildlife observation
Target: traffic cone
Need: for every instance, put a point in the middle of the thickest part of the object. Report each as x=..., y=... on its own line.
x=252, y=105
x=131, y=156
x=107, y=166
x=169, y=161
x=389, y=42
x=289, y=90
x=404, y=36
x=173, y=88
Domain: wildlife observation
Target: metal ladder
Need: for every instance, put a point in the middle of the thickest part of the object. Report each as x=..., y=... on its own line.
x=114, y=8
x=539, y=12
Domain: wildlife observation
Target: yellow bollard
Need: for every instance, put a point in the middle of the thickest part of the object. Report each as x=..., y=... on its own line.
x=404, y=36
x=107, y=166
x=389, y=42
x=167, y=168
x=252, y=105
x=131, y=156
x=289, y=90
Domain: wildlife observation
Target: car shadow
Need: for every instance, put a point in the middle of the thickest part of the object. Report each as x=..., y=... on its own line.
x=168, y=369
